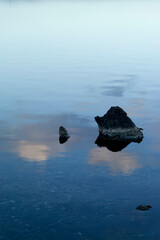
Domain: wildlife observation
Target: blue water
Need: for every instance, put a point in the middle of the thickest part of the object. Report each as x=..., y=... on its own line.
x=63, y=63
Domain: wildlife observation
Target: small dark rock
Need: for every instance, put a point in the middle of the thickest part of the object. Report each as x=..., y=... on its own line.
x=116, y=125
x=63, y=135
x=144, y=207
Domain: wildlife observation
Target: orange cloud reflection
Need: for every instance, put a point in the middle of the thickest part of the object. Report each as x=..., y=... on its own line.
x=121, y=162
x=32, y=151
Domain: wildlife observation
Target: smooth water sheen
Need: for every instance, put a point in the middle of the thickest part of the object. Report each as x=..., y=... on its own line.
x=63, y=63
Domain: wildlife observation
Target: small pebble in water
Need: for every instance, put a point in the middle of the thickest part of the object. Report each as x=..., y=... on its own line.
x=144, y=207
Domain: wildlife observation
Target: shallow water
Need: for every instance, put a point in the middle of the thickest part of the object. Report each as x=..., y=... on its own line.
x=63, y=63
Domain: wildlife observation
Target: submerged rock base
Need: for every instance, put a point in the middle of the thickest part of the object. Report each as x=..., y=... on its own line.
x=112, y=145
x=119, y=134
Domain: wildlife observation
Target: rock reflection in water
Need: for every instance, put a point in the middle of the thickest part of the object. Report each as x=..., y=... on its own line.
x=112, y=145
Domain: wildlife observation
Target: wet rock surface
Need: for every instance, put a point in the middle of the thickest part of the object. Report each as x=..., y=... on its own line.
x=144, y=207
x=63, y=135
x=116, y=125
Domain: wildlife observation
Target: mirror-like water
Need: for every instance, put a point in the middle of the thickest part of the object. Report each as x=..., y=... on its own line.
x=63, y=63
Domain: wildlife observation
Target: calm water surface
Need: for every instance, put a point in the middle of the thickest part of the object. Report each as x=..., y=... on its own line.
x=62, y=63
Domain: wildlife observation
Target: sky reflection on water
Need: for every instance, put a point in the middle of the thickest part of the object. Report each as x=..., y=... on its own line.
x=62, y=63
x=39, y=141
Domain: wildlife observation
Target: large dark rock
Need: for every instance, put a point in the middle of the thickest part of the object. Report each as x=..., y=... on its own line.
x=63, y=135
x=116, y=125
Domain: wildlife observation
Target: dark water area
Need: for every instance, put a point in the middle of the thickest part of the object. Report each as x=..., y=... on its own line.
x=63, y=63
